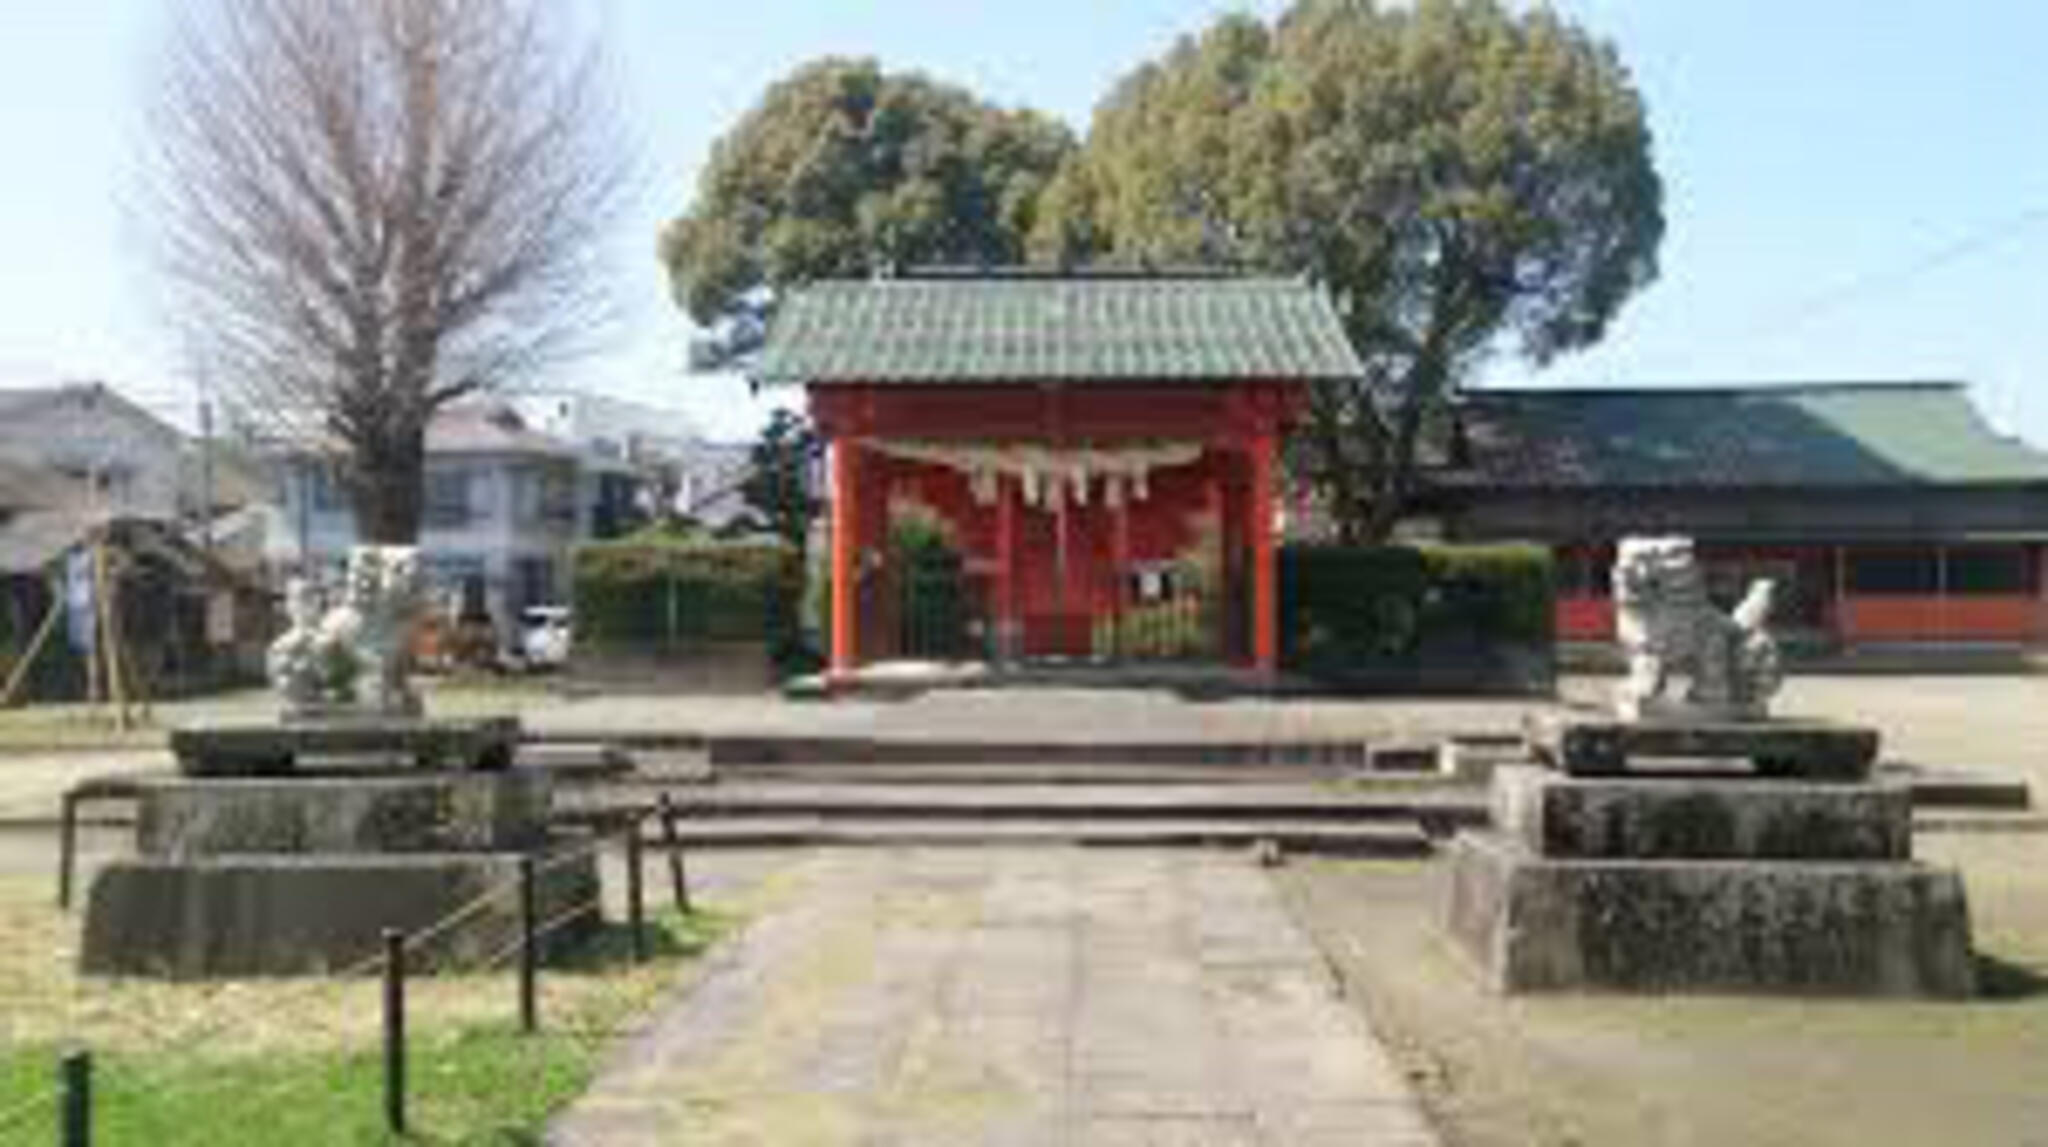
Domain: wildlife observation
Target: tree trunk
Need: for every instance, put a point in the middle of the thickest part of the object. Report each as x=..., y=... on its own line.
x=388, y=489
x=1395, y=483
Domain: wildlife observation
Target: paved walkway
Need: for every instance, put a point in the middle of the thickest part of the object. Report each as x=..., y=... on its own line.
x=1038, y=715
x=1007, y=997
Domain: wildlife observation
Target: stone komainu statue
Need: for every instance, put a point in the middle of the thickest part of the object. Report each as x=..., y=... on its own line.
x=1668, y=628
x=355, y=657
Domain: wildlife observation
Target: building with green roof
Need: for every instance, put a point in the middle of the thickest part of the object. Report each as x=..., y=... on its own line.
x=1888, y=512
x=1094, y=457
x=1098, y=452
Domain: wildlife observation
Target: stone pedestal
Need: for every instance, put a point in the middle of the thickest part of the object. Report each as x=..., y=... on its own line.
x=300, y=875
x=1815, y=750
x=276, y=748
x=1705, y=884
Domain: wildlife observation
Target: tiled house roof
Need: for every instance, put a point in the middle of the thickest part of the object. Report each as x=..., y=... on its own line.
x=1817, y=435
x=1030, y=328
x=490, y=428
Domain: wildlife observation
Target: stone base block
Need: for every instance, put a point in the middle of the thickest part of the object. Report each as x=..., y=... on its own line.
x=1614, y=818
x=380, y=812
x=1880, y=929
x=1815, y=750
x=275, y=748
x=299, y=915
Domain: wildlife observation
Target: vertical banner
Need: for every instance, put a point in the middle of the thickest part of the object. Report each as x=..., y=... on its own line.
x=80, y=606
x=220, y=618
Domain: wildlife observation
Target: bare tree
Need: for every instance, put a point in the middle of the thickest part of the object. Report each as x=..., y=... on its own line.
x=368, y=209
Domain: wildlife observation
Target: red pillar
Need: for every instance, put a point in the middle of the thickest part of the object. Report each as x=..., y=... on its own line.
x=845, y=557
x=1008, y=634
x=1120, y=572
x=1265, y=587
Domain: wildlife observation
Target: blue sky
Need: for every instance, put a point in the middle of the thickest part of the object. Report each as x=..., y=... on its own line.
x=1857, y=188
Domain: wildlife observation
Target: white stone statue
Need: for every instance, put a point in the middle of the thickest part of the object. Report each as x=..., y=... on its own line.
x=352, y=658
x=1668, y=628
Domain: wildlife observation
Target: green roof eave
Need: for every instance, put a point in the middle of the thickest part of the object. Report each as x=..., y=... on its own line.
x=1004, y=329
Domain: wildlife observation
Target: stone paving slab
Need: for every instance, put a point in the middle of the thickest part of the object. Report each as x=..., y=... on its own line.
x=1007, y=998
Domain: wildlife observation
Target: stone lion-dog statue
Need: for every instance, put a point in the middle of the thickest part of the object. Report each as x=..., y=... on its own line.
x=353, y=658
x=1669, y=629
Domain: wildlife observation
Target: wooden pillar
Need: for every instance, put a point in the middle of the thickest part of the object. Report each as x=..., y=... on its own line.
x=2039, y=587
x=845, y=557
x=1838, y=609
x=1265, y=574
x=1009, y=635
x=1941, y=608
x=1120, y=572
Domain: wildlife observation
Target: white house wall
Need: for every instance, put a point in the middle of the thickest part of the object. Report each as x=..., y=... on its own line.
x=493, y=538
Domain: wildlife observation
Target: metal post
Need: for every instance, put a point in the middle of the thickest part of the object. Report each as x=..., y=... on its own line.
x=529, y=958
x=75, y=1106
x=636, y=898
x=678, y=875
x=67, y=847
x=394, y=1030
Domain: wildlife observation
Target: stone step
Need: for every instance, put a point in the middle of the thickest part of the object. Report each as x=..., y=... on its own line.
x=1326, y=837
x=1950, y=788
x=853, y=751
x=971, y=773
x=1437, y=804
x=1987, y=820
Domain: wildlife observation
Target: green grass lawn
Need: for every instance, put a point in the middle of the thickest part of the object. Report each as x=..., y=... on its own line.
x=300, y=1062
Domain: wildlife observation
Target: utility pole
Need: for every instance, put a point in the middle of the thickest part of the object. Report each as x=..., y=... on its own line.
x=205, y=470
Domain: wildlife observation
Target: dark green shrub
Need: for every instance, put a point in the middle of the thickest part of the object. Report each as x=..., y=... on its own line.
x=656, y=593
x=1427, y=617
x=1501, y=593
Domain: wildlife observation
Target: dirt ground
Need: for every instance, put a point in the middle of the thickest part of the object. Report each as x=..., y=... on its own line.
x=1612, y=1071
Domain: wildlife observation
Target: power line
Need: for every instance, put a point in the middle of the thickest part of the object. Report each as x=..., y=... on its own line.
x=1982, y=239
x=1977, y=241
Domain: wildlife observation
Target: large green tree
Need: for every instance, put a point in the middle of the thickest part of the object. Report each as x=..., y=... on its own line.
x=1463, y=178
x=845, y=169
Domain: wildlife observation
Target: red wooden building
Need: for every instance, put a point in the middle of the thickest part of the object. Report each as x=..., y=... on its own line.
x=1098, y=452
x=1889, y=513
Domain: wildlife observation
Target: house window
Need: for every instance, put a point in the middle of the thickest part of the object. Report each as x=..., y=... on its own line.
x=1894, y=572
x=545, y=495
x=458, y=583
x=1990, y=570
x=448, y=499
x=534, y=581
x=327, y=494
x=558, y=495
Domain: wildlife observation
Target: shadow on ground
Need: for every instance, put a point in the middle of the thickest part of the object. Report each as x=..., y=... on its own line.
x=2001, y=979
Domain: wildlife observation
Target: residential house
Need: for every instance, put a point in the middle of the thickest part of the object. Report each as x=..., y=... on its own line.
x=504, y=502
x=662, y=453
x=129, y=462
x=182, y=620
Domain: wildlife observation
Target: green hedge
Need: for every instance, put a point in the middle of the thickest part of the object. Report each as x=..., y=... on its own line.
x=1431, y=617
x=663, y=594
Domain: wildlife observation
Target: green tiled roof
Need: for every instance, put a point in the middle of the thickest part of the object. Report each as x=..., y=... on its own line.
x=1831, y=434
x=1056, y=328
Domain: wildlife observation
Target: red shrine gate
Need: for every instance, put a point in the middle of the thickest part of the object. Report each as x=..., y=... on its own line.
x=1094, y=452
x=1098, y=520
